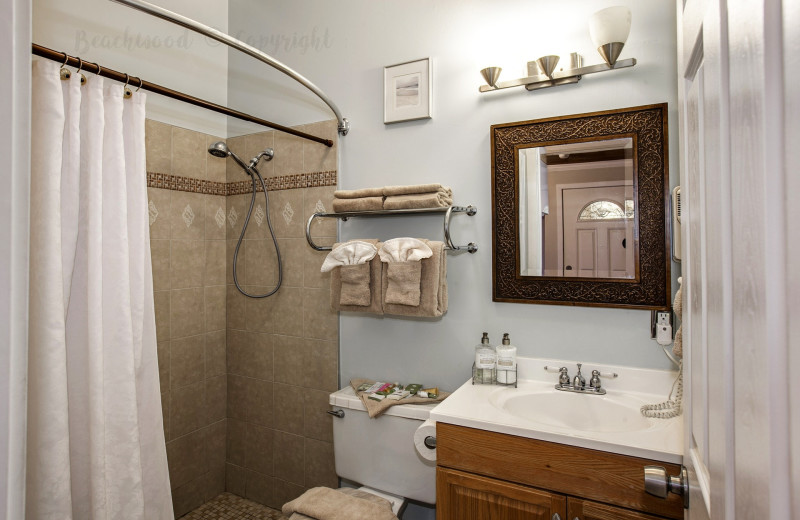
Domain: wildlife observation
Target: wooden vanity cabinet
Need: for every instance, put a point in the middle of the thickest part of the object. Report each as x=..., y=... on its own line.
x=483, y=475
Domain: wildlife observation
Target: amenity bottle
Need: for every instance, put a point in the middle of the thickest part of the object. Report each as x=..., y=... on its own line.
x=485, y=361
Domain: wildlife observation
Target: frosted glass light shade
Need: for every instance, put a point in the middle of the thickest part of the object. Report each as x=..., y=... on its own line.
x=610, y=25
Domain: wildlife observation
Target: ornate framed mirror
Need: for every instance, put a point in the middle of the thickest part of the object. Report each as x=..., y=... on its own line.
x=580, y=210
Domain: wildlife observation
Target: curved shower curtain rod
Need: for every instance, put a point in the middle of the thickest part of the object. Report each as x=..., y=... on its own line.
x=177, y=19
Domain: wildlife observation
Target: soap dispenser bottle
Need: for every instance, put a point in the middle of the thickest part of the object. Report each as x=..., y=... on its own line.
x=485, y=361
x=506, y=362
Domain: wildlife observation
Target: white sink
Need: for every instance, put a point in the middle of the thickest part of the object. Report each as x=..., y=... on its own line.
x=573, y=411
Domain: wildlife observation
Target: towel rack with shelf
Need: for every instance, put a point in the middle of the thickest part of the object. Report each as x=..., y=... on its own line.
x=447, y=211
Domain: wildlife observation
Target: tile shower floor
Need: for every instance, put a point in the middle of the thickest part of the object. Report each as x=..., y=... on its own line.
x=228, y=506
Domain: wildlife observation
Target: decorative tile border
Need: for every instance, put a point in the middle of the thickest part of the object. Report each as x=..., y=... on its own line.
x=285, y=182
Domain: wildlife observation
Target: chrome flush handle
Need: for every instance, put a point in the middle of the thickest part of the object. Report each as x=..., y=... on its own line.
x=337, y=413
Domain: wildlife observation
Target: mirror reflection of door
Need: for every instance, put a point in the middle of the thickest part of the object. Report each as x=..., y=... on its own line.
x=597, y=229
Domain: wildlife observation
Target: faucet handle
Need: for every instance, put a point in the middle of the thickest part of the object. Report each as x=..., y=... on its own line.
x=563, y=377
x=594, y=382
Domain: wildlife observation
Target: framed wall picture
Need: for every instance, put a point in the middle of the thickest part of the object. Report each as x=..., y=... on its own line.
x=407, y=91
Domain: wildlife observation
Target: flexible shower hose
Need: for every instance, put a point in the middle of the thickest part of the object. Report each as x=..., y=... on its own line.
x=271, y=232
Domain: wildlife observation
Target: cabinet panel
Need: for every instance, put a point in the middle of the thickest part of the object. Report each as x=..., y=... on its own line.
x=595, y=475
x=586, y=510
x=463, y=496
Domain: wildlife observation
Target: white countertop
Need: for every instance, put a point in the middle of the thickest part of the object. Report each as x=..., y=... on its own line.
x=661, y=440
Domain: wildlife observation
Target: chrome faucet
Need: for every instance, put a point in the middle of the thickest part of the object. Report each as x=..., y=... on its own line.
x=579, y=382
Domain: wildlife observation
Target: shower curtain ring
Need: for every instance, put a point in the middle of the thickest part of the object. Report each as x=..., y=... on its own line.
x=64, y=72
x=80, y=66
x=127, y=93
x=141, y=82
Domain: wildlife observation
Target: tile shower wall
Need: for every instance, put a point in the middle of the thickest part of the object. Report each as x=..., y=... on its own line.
x=187, y=242
x=282, y=351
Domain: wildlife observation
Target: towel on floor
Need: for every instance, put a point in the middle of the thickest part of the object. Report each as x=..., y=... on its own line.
x=419, y=201
x=403, y=269
x=433, y=286
x=412, y=189
x=375, y=305
x=361, y=204
x=376, y=408
x=321, y=503
x=358, y=194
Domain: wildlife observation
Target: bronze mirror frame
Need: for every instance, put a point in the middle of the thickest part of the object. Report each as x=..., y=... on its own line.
x=651, y=287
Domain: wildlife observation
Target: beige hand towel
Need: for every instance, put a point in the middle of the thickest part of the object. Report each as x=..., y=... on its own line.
x=403, y=284
x=355, y=285
x=358, y=194
x=433, y=286
x=419, y=201
x=362, y=204
x=412, y=189
x=376, y=408
x=323, y=503
x=375, y=286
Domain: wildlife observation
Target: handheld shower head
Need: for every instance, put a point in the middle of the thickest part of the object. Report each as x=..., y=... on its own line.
x=219, y=149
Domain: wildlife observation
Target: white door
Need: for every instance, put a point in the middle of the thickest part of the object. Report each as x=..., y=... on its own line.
x=738, y=295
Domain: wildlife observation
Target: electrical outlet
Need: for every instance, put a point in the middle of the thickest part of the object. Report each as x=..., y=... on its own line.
x=662, y=318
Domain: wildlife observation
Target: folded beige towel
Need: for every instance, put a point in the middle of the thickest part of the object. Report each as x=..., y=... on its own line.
x=433, y=286
x=376, y=289
x=361, y=204
x=358, y=194
x=376, y=408
x=403, y=283
x=355, y=285
x=351, y=253
x=321, y=503
x=404, y=249
x=412, y=189
x=420, y=201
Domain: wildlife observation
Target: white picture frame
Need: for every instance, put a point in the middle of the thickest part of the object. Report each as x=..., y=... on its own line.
x=407, y=91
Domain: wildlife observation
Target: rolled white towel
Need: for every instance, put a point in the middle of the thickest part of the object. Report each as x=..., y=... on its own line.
x=354, y=252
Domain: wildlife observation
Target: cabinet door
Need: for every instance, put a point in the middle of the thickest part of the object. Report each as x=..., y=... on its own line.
x=587, y=510
x=464, y=496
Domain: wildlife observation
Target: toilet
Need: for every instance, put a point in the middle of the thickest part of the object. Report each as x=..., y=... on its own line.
x=379, y=454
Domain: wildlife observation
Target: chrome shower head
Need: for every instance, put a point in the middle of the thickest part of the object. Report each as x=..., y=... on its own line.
x=219, y=149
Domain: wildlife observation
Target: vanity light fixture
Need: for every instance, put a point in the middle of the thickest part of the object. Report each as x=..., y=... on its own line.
x=608, y=29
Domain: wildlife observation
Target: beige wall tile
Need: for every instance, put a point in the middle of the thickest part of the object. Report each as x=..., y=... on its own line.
x=321, y=365
x=186, y=458
x=216, y=215
x=258, y=400
x=287, y=403
x=159, y=210
x=216, y=435
x=319, y=200
x=187, y=361
x=289, y=357
x=279, y=314
x=163, y=365
x=186, y=316
x=319, y=321
x=286, y=491
x=236, y=304
x=256, y=231
x=235, y=478
x=187, y=216
x=237, y=397
x=165, y=399
x=261, y=263
x=286, y=210
x=215, y=307
x=289, y=457
x=317, y=423
x=288, y=154
x=216, y=399
x=320, y=469
x=292, y=256
x=188, y=153
x=162, y=306
x=260, y=488
x=234, y=171
x=255, y=144
x=216, y=363
x=216, y=169
x=312, y=262
x=236, y=441
x=189, y=496
x=316, y=156
x=215, y=482
x=187, y=263
x=237, y=206
x=158, y=146
x=230, y=246
x=250, y=354
x=216, y=262
x=187, y=409
x=259, y=449
x=159, y=254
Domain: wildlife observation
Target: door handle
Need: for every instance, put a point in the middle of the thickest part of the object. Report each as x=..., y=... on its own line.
x=658, y=483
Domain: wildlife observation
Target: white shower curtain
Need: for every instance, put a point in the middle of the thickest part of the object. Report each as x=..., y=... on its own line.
x=95, y=445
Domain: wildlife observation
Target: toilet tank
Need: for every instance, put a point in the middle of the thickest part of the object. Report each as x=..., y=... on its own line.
x=380, y=453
